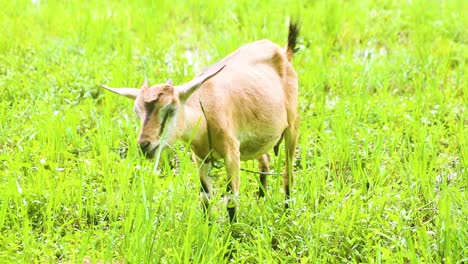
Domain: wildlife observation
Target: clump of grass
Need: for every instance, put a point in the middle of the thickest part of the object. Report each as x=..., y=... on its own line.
x=381, y=163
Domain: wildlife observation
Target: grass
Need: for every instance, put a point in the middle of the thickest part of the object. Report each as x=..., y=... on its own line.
x=381, y=166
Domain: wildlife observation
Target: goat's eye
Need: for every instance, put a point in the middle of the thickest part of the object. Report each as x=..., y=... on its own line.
x=170, y=111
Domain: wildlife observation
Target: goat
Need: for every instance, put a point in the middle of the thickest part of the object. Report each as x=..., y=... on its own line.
x=243, y=105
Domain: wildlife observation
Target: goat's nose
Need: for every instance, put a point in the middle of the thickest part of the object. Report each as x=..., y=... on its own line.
x=144, y=145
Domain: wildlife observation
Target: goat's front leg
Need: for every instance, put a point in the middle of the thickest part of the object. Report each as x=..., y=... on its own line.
x=264, y=167
x=232, y=160
x=206, y=189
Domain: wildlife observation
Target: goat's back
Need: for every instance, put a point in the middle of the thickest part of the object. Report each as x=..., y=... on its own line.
x=253, y=97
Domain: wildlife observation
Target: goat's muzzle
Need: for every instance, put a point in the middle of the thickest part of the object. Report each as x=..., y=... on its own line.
x=147, y=148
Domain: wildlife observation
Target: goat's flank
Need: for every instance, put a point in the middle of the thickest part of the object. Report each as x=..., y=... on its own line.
x=250, y=104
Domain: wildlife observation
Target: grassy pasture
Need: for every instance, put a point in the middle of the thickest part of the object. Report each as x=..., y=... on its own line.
x=381, y=166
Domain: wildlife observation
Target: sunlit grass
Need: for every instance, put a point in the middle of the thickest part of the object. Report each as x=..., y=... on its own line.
x=380, y=166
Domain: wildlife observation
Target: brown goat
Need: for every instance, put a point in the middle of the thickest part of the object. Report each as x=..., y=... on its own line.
x=237, y=109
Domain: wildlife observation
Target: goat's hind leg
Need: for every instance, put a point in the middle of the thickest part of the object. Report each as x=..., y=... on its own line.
x=290, y=139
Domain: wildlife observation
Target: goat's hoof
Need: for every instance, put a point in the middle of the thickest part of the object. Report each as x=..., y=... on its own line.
x=232, y=211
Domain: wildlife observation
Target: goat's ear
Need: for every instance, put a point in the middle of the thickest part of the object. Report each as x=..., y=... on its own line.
x=127, y=92
x=169, y=81
x=187, y=89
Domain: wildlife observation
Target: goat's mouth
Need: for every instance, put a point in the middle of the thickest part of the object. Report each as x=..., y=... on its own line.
x=149, y=153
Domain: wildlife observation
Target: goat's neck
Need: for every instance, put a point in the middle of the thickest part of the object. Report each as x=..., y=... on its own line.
x=192, y=119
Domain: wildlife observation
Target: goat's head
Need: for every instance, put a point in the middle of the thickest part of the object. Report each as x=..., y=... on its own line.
x=160, y=109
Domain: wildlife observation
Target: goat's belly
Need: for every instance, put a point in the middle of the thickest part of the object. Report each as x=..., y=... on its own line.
x=254, y=147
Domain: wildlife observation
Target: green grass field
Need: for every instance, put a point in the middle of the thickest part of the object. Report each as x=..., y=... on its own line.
x=381, y=166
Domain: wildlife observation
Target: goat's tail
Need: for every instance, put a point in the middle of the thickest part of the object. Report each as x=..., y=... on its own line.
x=294, y=28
